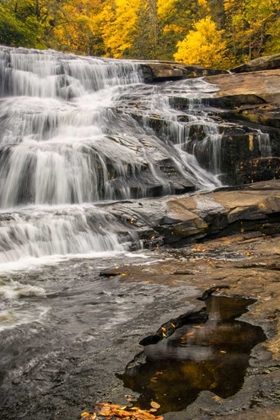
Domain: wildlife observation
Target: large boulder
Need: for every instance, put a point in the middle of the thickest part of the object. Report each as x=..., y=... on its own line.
x=175, y=221
x=251, y=101
x=159, y=71
x=262, y=63
x=265, y=84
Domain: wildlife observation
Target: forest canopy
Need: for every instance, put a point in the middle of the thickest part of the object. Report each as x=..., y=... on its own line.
x=216, y=33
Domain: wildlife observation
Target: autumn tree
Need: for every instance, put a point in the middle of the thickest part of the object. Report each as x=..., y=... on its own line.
x=252, y=28
x=217, y=12
x=78, y=28
x=260, y=16
x=119, y=19
x=175, y=20
x=193, y=31
x=18, y=29
x=204, y=45
x=145, y=36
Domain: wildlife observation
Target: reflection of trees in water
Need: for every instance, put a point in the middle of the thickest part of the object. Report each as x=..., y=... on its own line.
x=213, y=356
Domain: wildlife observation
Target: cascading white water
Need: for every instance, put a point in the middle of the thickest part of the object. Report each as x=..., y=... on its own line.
x=70, y=138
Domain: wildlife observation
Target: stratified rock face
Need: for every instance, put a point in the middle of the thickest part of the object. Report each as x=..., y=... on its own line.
x=175, y=221
x=250, y=101
x=160, y=71
x=248, y=104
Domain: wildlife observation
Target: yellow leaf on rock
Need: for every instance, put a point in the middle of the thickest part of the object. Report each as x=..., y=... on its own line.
x=105, y=413
x=217, y=399
x=154, y=404
x=88, y=416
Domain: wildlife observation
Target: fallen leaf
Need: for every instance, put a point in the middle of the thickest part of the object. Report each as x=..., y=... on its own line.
x=154, y=404
x=217, y=399
x=105, y=413
x=88, y=416
x=118, y=412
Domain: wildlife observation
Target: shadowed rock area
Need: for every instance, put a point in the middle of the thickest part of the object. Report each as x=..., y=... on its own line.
x=248, y=104
x=93, y=312
x=243, y=254
x=100, y=317
x=179, y=220
x=249, y=264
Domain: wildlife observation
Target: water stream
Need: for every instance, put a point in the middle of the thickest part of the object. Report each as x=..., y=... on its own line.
x=77, y=133
x=71, y=137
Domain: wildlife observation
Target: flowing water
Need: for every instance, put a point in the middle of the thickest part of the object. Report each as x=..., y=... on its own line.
x=75, y=134
x=71, y=138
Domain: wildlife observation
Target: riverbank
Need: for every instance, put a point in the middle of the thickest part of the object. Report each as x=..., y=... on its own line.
x=249, y=265
x=99, y=311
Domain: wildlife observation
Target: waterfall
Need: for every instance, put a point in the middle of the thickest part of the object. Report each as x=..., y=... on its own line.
x=79, y=130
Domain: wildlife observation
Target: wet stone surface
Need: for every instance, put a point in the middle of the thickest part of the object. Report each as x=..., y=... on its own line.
x=61, y=365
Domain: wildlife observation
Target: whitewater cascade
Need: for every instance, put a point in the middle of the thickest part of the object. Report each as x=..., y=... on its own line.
x=76, y=131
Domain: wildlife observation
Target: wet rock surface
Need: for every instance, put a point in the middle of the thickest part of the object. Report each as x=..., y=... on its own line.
x=95, y=315
x=249, y=97
x=160, y=71
x=178, y=220
x=248, y=264
x=62, y=365
x=248, y=104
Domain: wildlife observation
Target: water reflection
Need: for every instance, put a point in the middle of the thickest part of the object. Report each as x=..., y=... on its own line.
x=211, y=356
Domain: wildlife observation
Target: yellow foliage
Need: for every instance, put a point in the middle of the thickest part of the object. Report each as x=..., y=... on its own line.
x=118, y=21
x=164, y=8
x=202, y=4
x=81, y=22
x=204, y=45
x=229, y=4
x=173, y=28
